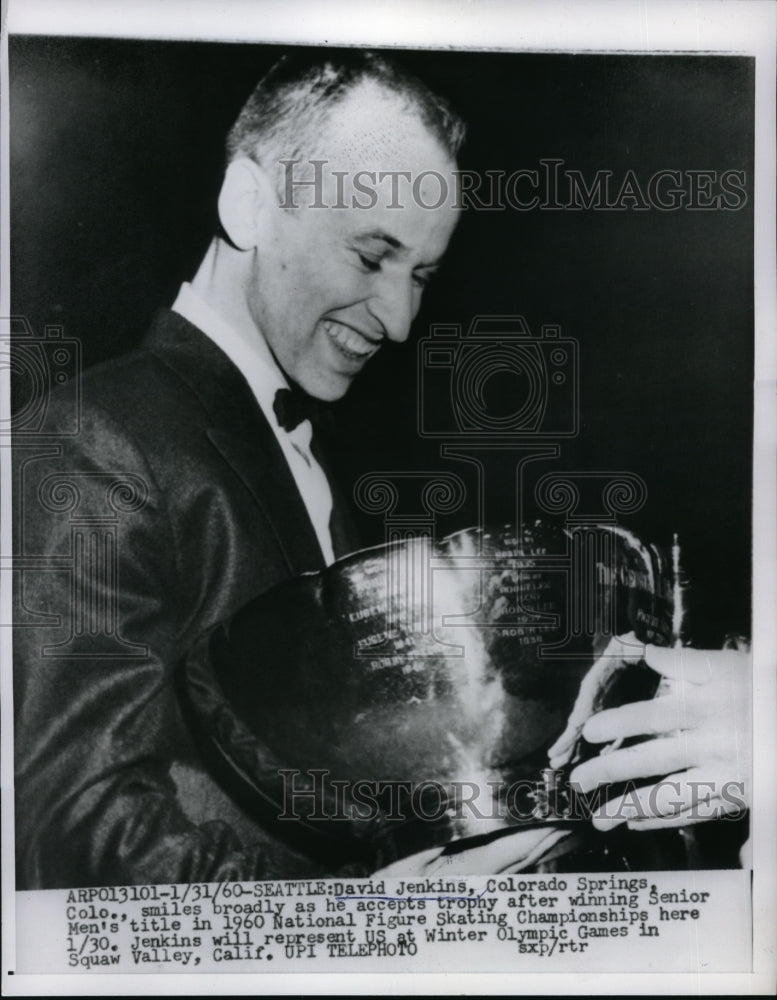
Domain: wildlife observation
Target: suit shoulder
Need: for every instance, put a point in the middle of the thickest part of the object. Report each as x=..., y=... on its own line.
x=136, y=395
x=138, y=386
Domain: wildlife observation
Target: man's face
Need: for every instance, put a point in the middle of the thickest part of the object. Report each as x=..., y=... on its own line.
x=330, y=285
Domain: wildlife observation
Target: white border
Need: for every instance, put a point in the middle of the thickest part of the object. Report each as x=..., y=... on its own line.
x=739, y=26
x=596, y=25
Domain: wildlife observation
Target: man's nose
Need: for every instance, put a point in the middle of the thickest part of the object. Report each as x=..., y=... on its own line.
x=394, y=305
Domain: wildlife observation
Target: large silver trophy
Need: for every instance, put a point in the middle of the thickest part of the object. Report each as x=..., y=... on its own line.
x=409, y=693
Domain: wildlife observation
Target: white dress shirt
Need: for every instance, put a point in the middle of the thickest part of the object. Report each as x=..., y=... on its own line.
x=253, y=358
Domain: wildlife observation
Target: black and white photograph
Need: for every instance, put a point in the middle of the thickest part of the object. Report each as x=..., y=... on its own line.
x=388, y=501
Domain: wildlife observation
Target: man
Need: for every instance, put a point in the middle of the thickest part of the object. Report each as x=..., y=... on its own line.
x=193, y=487
x=228, y=496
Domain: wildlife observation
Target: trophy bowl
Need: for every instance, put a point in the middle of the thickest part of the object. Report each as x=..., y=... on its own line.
x=433, y=666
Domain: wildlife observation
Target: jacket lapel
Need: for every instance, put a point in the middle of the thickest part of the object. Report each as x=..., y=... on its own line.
x=237, y=428
x=262, y=467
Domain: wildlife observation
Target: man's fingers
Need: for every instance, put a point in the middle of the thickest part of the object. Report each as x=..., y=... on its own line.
x=510, y=853
x=658, y=756
x=499, y=855
x=414, y=864
x=539, y=849
x=619, y=650
x=626, y=647
x=612, y=816
x=681, y=663
x=693, y=796
x=648, y=718
x=564, y=749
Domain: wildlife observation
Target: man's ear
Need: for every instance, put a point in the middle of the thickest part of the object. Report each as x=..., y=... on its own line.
x=244, y=194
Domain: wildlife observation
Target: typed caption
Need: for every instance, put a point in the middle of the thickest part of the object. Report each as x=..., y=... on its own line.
x=655, y=921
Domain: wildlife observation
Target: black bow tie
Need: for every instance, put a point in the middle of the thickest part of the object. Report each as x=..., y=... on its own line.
x=292, y=406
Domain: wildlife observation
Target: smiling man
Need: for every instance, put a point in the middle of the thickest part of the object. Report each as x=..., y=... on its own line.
x=328, y=276
x=201, y=450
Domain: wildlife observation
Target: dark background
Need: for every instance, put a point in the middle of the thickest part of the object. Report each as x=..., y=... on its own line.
x=116, y=160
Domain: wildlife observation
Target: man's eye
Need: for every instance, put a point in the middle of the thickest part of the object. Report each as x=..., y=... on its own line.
x=422, y=280
x=370, y=263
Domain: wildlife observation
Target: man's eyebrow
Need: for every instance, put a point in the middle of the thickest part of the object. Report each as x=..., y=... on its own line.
x=379, y=234
x=393, y=242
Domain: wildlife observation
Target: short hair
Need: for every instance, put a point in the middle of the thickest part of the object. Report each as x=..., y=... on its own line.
x=284, y=114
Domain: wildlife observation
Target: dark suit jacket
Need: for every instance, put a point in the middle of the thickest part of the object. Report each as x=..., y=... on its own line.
x=168, y=511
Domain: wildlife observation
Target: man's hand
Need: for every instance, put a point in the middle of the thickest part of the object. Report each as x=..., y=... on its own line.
x=511, y=853
x=700, y=722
